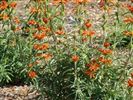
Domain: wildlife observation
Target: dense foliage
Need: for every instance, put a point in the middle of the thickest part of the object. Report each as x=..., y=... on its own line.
x=67, y=55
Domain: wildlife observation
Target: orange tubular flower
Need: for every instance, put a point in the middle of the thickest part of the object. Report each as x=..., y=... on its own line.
x=32, y=22
x=105, y=51
x=3, y=5
x=17, y=29
x=41, y=46
x=106, y=44
x=75, y=58
x=47, y=56
x=85, y=33
x=44, y=46
x=130, y=82
x=94, y=67
x=90, y=73
x=91, y=33
x=88, y=33
x=60, y=32
x=88, y=24
x=13, y=4
x=32, y=74
x=128, y=20
x=5, y=17
x=59, y=1
x=45, y=20
x=16, y=20
x=33, y=10
x=36, y=46
x=105, y=61
x=128, y=33
x=39, y=36
x=130, y=8
x=42, y=28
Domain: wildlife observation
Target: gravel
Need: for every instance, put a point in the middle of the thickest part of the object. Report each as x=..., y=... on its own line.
x=18, y=93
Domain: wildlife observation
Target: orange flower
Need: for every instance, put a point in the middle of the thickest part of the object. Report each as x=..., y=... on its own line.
x=128, y=20
x=88, y=24
x=32, y=22
x=3, y=5
x=17, y=29
x=48, y=29
x=105, y=51
x=105, y=61
x=13, y=4
x=130, y=8
x=85, y=33
x=47, y=56
x=36, y=46
x=59, y=1
x=91, y=33
x=60, y=32
x=44, y=46
x=88, y=33
x=39, y=36
x=16, y=20
x=5, y=17
x=90, y=73
x=41, y=46
x=33, y=10
x=45, y=20
x=106, y=44
x=75, y=58
x=130, y=82
x=128, y=33
x=93, y=66
x=42, y=28
x=32, y=74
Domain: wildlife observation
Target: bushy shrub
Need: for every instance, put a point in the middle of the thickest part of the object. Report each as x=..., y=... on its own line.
x=64, y=53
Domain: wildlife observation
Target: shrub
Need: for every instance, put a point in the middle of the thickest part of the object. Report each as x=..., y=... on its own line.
x=69, y=59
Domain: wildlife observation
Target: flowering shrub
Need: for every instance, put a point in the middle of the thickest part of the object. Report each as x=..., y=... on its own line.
x=60, y=49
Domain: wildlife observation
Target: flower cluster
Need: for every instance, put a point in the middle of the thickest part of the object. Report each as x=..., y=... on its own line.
x=130, y=81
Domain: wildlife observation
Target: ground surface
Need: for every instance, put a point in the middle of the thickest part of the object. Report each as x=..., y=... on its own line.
x=18, y=93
